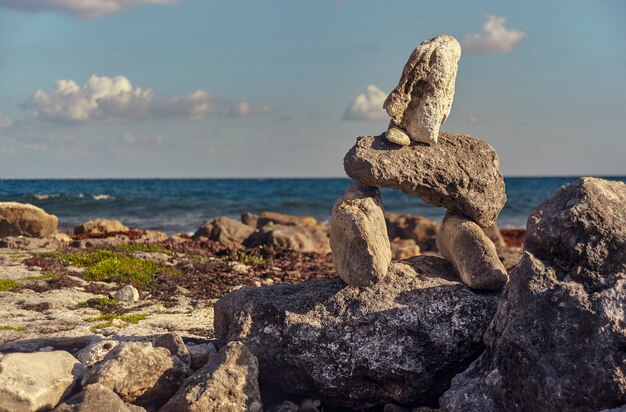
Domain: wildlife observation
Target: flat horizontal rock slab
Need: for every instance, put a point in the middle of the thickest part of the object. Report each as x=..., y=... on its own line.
x=460, y=173
x=399, y=341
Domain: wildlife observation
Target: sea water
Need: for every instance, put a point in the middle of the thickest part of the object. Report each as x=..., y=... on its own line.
x=181, y=205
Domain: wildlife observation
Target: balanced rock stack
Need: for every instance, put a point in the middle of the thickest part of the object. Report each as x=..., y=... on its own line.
x=458, y=172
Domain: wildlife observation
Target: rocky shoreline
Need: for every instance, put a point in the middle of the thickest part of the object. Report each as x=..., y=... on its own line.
x=377, y=312
x=55, y=305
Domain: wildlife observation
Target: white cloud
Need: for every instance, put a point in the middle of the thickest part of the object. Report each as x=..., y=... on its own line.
x=131, y=139
x=495, y=38
x=115, y=98
x=80, y=8
x=368, y=106
x=245, y=109
x=5, y=121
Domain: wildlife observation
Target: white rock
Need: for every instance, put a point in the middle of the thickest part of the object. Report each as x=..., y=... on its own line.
x=398, y=136
x=36, y=381
x=423, y=98
x=95, y=352
x=358, y=237
x=127, y=293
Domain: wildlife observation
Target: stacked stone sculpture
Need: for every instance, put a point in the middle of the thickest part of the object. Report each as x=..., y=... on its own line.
x=458, y=172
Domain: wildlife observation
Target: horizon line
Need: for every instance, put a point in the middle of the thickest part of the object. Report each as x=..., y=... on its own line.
x=514, y=176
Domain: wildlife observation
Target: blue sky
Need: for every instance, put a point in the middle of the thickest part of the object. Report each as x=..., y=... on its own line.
x=200, y=88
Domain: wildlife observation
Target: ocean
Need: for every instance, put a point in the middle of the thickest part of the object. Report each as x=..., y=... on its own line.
x=181, y=205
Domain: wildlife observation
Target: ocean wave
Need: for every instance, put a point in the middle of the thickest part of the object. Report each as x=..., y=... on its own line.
x=102, y=197
x=46, y=196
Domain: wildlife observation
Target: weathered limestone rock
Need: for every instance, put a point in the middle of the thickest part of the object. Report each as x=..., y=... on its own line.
x=229, y=382
x=95, y=351
x=36, y=381
x=266, y=218
x=300, y=238
x=423, y=98
x=400, y=340
x=100, y=226
x=358, y=237
x=249, y=219
x=464, y=244
x=460, y=173
x=174, y=343
x=96, y=398
x=557, y=339
x=23, y=219
x=127, y=293
x=139, y=373
x=397, y=136
x=418, y=228
x=228, y=231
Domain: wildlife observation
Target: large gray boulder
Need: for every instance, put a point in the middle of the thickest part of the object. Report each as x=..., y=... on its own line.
x=229, y=382
x=460, y=173
x=23, y=219
x=228, y=231
x=400, y=340
x=36, y=381
x=581, y=229
x=557, y=341
x=358, y=237
x=423, y=98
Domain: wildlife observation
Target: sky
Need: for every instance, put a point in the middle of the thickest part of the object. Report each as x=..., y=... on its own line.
x=204, y=88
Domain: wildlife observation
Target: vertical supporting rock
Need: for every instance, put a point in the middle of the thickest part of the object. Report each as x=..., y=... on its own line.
x=423, y=98
x=464, y=244
x=358, y=237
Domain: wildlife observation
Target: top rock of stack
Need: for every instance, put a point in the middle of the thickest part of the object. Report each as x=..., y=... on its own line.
x=422, y=100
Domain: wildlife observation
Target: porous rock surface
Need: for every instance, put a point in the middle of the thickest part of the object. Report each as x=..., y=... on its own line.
x=460, y=173
x=581, y=229
x=23, y=219
x=229, y=382
x=36, y=381
x=400, y=340
x=100, y=226
x=358, y=237
x=423, y=98
x=466, y=246
x=226, y=230
x=557, y=340
x=139, y=373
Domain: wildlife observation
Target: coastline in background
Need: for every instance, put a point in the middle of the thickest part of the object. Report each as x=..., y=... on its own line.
x=181, y=205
